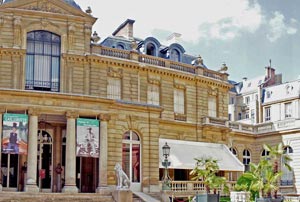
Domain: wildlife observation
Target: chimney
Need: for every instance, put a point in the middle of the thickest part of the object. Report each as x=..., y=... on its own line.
x=174, y=38
x=125, y=29
x=270, y=76
x=245, y=79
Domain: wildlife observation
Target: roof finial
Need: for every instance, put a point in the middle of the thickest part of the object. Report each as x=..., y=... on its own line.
x=270, y=61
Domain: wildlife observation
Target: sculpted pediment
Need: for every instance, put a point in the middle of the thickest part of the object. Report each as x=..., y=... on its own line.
x=51, y=6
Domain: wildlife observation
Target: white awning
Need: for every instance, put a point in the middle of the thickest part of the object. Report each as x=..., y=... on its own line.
x=183, y=154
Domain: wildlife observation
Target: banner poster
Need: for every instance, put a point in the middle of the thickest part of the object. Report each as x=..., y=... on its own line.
x=15, y=133
x=87, y=140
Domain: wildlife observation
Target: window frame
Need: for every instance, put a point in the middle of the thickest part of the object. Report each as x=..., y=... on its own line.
x=43, y=53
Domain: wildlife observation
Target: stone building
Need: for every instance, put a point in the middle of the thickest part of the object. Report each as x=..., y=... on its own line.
x=88, y=106
x=55, y=73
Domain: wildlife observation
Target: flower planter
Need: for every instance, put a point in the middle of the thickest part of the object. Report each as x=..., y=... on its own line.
x=239, y=196
x=207, y=198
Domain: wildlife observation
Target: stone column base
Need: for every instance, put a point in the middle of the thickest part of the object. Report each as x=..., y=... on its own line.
x=32, y=188
x=70, y=189
x=122, y=195
x=103, y=190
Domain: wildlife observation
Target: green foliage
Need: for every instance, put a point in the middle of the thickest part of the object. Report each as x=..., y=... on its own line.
x=262, y=178
x=225, y=199
x=206, y=170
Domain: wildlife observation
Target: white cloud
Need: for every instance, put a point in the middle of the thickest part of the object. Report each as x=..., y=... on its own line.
x=278, y=27
x=194, y=19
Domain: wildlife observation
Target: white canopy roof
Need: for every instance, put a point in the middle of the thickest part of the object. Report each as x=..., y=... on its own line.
x=183, y=154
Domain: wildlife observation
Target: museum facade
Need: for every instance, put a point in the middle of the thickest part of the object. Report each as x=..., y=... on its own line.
x=67, y=99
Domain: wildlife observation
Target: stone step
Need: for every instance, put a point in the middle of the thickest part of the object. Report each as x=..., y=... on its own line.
x=53, y=197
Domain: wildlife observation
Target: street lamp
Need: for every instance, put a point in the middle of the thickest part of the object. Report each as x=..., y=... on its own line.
x=166, y=178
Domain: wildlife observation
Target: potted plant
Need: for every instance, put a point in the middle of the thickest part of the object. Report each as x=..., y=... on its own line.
x=206, y=170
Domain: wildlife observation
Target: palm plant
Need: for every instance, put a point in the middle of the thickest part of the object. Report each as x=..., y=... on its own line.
x=275, y=154
x=206, y=170
x=263, y=177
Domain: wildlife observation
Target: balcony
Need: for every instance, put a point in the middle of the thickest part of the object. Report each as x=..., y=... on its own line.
x=157, y=61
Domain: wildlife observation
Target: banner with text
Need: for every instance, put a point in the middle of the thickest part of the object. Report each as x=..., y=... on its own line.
x=87, y=140
x=15, y=133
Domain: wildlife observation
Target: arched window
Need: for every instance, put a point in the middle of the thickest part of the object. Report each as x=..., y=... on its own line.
x=265, y=153
x=233, y=151
x=43, y=61
x=246, y=159
x=287, y=178
x=175, y=55
x=131, y=155
x=151, y=49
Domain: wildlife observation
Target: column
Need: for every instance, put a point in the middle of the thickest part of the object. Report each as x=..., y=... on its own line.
x=1, y=115
x=58, y=147
x=70, y=167
x=31, y=183
x=102, y=184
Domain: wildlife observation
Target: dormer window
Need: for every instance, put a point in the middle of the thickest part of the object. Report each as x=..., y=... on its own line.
x=150, y=49
x=175, y=55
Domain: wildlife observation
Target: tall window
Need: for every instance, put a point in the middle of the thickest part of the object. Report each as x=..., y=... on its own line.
x=267, y=113
x=131, y=155
x=252, y=114
x=179, y=97
x=233, y=176
x=114, y=88
x=287, y=178
x=175, y=55
x=247, y=100
x=43, y=61
x=246, y=159
x=212, y=106
x=153, y=94
x=288, y=110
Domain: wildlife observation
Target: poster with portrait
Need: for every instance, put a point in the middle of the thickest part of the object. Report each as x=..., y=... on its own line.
x=87, y=140
x=15, y=133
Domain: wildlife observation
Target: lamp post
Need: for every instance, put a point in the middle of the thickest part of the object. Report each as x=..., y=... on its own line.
x=166, y=178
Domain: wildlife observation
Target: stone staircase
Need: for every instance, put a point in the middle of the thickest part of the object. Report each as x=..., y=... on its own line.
x=53, y=197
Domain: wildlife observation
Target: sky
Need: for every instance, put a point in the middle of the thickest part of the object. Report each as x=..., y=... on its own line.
x=245, y=34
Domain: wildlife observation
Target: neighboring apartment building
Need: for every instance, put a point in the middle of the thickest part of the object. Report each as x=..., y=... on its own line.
x=244, y=102
x=270, y=113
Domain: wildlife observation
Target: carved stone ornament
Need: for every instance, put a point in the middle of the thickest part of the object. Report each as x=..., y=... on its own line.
x=116, y=73
x=44, y=5
x=179, y=86
x=213, y=91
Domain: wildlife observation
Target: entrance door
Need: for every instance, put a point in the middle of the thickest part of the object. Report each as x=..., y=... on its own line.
x=10, y=172
x=87, y=174
x=44, y=177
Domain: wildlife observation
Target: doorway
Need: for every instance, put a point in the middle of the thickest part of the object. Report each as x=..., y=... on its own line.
x=44, y=159
x=87, y=174
x=10, y=171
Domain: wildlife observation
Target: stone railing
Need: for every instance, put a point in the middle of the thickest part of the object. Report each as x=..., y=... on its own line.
x=215, y=121
x=182, y=67
x=152, y=60
x=193, y=187
x=157, y=61
x=265, y=127
x=114, y=52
